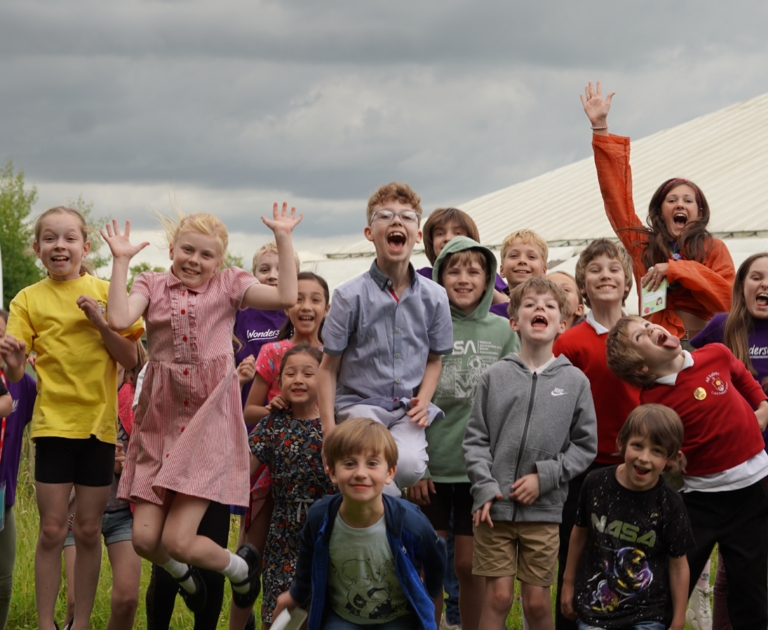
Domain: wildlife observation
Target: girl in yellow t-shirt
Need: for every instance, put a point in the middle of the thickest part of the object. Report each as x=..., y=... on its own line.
x=74, y=424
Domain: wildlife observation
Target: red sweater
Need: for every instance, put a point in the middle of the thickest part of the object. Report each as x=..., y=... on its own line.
x=614, y=399
x=721, y=430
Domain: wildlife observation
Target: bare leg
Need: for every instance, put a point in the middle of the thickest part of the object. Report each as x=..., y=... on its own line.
x=91, y=502
x=181, y=540
x=537, y=606
x=52, y=504
x=471, y=587
x=69, y=568
x=497, y=601
x=126, y=575
x=148, y=523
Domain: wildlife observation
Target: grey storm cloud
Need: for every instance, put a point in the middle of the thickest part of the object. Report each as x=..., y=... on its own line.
x=323, y=101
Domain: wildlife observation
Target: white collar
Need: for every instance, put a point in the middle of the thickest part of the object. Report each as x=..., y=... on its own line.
x=671, y=379
x=599, y=328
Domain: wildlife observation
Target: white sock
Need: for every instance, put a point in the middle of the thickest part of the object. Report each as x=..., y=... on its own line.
x=237, y=571
x=179, y=569
x=703, y=581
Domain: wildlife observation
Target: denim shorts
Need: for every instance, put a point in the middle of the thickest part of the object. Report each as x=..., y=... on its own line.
x=115, y=527
x=640, y=625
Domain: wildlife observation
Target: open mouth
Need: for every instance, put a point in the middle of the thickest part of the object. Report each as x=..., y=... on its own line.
x=307, y=319
x=539, y=322
x=396, y=240
x=641, y=472
x=762, y=301
x=59, y=258
x=190, y=272
x=665, y=340
x=680, y=219
x=298, y=392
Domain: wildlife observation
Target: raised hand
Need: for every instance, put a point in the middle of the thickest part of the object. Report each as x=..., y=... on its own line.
x=282, y=222
x=120, y=244
x=595, y=107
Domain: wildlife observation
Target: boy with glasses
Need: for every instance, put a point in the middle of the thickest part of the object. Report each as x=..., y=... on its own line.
x=384, y=338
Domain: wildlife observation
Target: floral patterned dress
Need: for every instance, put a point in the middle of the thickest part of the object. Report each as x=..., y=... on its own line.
x=292, y=450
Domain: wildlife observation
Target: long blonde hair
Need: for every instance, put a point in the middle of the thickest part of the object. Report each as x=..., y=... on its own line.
x=85, y=265
x=201, y=222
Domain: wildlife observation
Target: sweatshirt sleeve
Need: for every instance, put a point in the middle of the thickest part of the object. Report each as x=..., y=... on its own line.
x=581, y=450
x=477, y=450
x=302, y=579
x=745, y=382
x=710, y=282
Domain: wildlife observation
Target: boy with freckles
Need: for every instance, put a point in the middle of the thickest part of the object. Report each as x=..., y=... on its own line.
x=385, y=336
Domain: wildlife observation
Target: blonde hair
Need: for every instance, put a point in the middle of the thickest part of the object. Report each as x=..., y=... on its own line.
x=603, y=247
x=623, y=359
x=271, y=248
x=661, y=425
x=571, y=278
x=538, y=286
x=85, y=265
x=394, y=191
x=527, y=236
x=202, y=223
x=360, y=435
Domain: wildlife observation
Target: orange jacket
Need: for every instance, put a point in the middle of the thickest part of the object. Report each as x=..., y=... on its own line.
x=702, y=289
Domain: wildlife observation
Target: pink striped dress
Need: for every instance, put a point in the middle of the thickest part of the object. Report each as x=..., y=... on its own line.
x=189, y=435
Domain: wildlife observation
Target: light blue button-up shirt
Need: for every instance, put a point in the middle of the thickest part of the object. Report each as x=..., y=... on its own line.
x=384, y=342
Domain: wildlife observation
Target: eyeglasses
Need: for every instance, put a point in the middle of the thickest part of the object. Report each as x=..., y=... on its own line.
x=387, y=216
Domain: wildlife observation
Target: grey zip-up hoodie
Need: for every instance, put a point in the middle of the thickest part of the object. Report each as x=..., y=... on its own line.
x=524, y=423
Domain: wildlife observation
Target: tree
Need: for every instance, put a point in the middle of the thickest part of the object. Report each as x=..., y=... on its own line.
x=98, y=258
x=134, y=271
x=232, y=260
x=16, y=234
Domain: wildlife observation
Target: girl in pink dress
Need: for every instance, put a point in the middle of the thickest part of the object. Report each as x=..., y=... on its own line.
x=189, y=444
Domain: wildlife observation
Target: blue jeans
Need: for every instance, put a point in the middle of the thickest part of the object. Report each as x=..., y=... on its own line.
x=334, y=622
x=643, y=625
x=451, y=583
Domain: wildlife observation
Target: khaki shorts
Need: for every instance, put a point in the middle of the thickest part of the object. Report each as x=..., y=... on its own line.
x=528, y=549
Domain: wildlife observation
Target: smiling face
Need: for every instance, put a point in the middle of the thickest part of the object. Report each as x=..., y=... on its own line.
x=521, y=262
x=310, y=308
x=361, y=477
x=678, y=208
x=756, y=288
x=267, y=269
x=394, y=240
x=465, y=285
x=298, y=379
x=443, y=234
x=539, y=319
x=61, y=246
x=644, y=461
x=195, y=257
x=604, y=280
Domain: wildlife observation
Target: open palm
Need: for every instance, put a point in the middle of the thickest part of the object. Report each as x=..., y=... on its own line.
x=282, y=221
x=594, y=106
x=120, y=244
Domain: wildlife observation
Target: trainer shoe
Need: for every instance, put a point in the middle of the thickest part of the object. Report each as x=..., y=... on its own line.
x=699, y=613
x=444, y=625
x=194, y=601
x=250, y=554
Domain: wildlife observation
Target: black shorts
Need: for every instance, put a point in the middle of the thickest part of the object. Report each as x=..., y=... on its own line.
x=85, y=462
x=450, y=497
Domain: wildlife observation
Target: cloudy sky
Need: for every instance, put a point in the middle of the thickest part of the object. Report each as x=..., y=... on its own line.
x=231, y=105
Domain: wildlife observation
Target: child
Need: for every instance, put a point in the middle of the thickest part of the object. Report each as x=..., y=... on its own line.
x=362, y=552
x=575, y=299
x=74, y=425
x=724, y=491
x=604, y=279
x=298, y=473
x=676, y=246
x=523, y=256
x=385, y=335
x=254, y=327
x=466, y=270
x=632, y=533
x=531, y=430
x=190, y=432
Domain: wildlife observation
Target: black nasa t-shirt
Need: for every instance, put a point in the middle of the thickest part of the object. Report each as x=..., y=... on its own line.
x=623, y=576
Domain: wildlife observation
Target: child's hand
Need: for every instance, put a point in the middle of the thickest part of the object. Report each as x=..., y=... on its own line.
x=566, y=602
x=90, y=307
x=654, y=276
x=764, y=384
x=246, y=370
x=32, y=360
x=278, y=403
x=284, y=601
x=418, y=412
x=526, y=489
x=120, y=244
x=419, y=493
x=282, y=221
x=761, y=413
x=119, y=458
x=595, y=107
x=14, y=351
x=484, y=513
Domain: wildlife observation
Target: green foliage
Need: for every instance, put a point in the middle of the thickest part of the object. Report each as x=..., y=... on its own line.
x=232, y=260
x=19, y=266
x=99, y=258
x=134, y=271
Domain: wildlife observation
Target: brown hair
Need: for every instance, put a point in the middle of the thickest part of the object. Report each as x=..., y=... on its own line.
x=661, y=425
x=302, y=348
x=466, y=257
x=444, y=216
x=393, y=191
x=527, y=236
x=603, y=247
x=271, y=248
x=286, y=330
x=569, y=276
x=133, y=373
x=85, y=265
x=538, y=286
x=359, y=435
x=739, y=322
x=623, y=360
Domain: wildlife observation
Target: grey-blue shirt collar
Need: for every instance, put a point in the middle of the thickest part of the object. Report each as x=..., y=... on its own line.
x=382, y=281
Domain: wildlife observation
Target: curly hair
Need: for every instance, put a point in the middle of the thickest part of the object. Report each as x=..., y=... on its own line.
x=394, y=191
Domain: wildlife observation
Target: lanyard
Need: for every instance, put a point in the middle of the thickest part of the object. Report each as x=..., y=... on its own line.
x=2, y=427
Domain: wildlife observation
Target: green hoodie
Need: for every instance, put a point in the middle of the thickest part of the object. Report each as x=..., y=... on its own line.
x=479, y=340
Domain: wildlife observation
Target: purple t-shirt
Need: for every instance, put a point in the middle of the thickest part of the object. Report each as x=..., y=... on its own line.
x=758, y=345
x=23, y=393
x=254, y=328
x=500, y=309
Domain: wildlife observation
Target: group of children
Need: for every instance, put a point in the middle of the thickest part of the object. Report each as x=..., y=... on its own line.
x=356, y=435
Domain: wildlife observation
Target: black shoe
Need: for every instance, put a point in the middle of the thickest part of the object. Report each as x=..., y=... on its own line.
x=250, y=554
x=55, y=625
x=68, y=625
x=251, y=623
x=194, y=601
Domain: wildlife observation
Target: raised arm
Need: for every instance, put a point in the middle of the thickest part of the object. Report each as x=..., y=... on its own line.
x=123, y=309
x=596, y=108
x=285, y=295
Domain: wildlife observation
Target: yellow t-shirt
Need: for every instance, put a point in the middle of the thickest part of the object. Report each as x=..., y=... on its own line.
x=77, y=377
